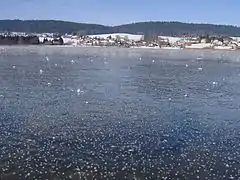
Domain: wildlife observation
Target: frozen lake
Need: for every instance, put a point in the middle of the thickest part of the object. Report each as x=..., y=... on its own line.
x=108, y=113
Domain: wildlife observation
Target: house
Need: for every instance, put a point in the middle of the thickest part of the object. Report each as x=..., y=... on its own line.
x=57, y=41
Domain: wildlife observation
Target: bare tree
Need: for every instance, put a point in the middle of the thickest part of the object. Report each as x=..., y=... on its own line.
x=118, y=38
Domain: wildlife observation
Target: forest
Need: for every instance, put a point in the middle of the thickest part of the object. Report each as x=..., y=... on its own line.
x=152, y=27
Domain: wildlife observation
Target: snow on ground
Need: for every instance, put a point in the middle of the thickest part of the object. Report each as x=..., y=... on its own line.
x=71, y=41
x=42, y=38
x=133, y=37
x=236, y=39
x=145, y=47
x=222, y=47
x=171, y=48
x=136, y=37
x=200, y=46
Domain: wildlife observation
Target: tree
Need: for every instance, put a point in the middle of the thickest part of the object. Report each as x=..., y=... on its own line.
x=61, y=41
x=74, y=33
x=118, y=38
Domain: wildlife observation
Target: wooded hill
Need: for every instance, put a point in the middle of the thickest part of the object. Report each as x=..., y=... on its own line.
x=154, y=28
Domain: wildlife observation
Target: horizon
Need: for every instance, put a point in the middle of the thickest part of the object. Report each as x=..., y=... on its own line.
x=170, y=21
x=112, y=13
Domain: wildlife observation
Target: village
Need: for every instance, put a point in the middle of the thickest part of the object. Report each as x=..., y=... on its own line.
x=124, y=40
x=143, y=41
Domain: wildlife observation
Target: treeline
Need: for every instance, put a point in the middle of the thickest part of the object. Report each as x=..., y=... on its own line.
x=28, y=40
x=13, y=40
x=179, y=29
x=154, y=28
x=50, y=26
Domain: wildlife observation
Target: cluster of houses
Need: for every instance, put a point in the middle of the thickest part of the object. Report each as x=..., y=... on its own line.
x=129, y=40
x=123, y=40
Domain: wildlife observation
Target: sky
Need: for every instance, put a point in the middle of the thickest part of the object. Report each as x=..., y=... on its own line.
x=116, y=12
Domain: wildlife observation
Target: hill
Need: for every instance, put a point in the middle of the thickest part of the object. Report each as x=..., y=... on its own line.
x=179, y=28
x=156, y=28
x=51, y=26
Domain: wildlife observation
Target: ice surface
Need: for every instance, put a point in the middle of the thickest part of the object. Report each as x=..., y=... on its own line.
x=113, y=108
x=121, y=52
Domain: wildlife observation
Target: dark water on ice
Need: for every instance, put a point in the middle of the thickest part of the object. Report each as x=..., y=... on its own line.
x=118, y=114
